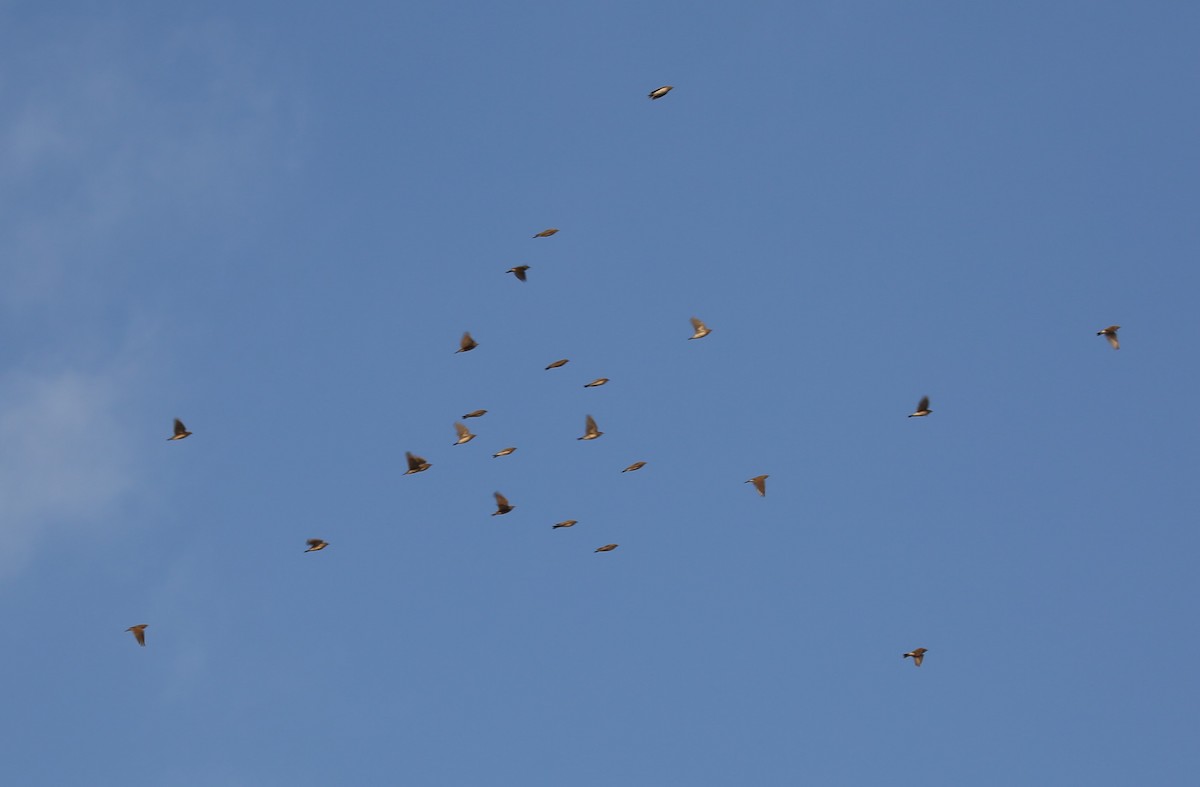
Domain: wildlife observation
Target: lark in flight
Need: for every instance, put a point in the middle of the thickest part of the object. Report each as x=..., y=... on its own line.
x=760, y=483
x=504, y=451
x=502, y=506
x=590, y=431
x=599, y=381
x=607, y=548
x=702, y=330
x=139, y=633
x=558, y=363
x=316, y=545
x=464, y=434
x=660, y=92
x=566, y=523
x=922, y=408
x=518, y=271
x=467, y=344
x=475, y=413
x=917, y=655
x=180, y=431
x=546, y=233
x=634, y=466
x=1110, y=333
x=415, y=463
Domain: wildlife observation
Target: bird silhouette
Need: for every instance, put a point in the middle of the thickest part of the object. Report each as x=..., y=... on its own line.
x=475, y=413
x=316, y=545
x=590, y=431
x=464, y=434
x=659, y=92
x=467, y=343
x=180, y=431
x=502, y=506
x=702, y=330
x=917, y=655
x=518, y=271
x=139, y=633
x=1110, y=333
x=760, y=483
x=922, y=408
x=634, y=466
x=415, y=464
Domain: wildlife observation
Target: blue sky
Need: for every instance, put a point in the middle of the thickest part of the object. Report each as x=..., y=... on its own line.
x=275, y=222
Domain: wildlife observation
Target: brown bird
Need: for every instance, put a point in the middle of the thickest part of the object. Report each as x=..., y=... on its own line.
x=607, y=548
x=518, y=271
x=546, y=233
x=558, y=363
x=139, y=633
x=1109, y=333
x=702, y=330
x=464, y=434
x=504, y=451
x=917, y=655
x=566, y=523
x=760, y=483
x=634, y=466
x=922, y=408
x=316, y=545
x=660, y=91
x=415, y=464
x=180, y=431
x=590, y=431
x=467, y=344
x=599, y=381
x=475, y=413
x=502, y=506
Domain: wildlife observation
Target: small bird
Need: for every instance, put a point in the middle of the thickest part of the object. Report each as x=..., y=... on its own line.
x=760, y=483
x=464, y=434
x=518, y=271
x=565, y=523
x=475, y=413
x=607, y=548
x=139, y=633
x=316, y=545
x=180, y=431
x=922, y=408
x=702, y=330
x=634, y=466
x=558, y=363
x=415, y=464
x=599, y=381
x=467, y=344
x=546, y=233
x=504, y=451
x=1109, y=333
x=502, y=506
x=590, y=431
x=660, y=92
x=917, y=655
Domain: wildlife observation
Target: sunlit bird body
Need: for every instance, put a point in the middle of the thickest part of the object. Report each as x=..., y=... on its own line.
x=502, y=506
x=1110, y=333
x=558, y=363
x=566, y=523
x=504, y=451
x=139, y=633
x=464, y=434
x=180, y=431
x=659, y=92
x=466, y=344
x=546, y=233
x=917, y=656
x=922, y=409
x=607, y=548
x=701, y=330
x=415, y=463
x=634, y=466
x=599, y=381
x=316, y=545
x=475, y=413
x=760, y=483
x=518, y=271
x=590, y=431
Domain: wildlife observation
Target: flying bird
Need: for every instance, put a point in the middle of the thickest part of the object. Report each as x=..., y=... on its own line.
x=566, y=523
x=464, y=434
x=180, y=431
x=1109, y=333
x=660, y=92
x=599, y=381
x=415, y=464
x=504, y=451
x=546, y=233
x=467, y=344
x=702, y=330
x=518, y=271
x=475, y=413
x=558, y=363
x=634, y=466
x=760, y=483
x=917, y=655
x=922, y=408
x=502, y=506
x=590, y=431
x=607, y=548
x=316, y=545
x=139, y=633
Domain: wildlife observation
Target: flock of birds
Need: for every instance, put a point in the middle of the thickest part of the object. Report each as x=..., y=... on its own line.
x=417, y=464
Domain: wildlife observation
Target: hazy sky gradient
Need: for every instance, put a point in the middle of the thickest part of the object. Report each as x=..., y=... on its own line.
x=276, y=221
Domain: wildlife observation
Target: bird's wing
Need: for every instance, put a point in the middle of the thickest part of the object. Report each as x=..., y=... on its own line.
x=501, y=500
x=591, y=425
x=923, y=404
x=462, y=430
x=179, y=427
x=697, y=324
x=1112, y=339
